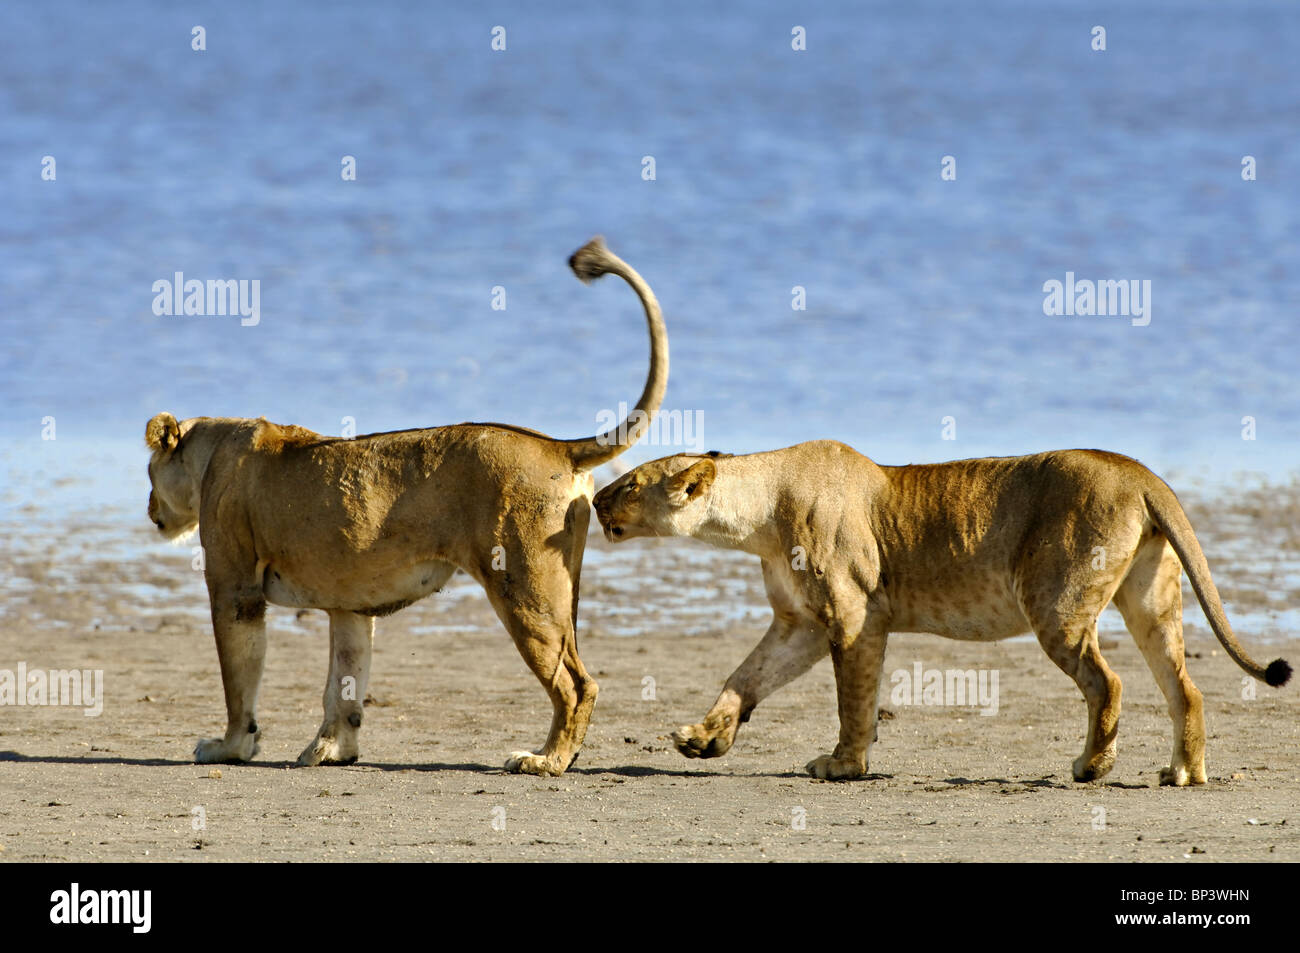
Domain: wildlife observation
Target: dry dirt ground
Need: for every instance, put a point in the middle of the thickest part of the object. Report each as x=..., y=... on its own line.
x=662, y=624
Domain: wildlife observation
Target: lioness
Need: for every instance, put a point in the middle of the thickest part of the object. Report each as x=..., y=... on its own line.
x=974, y=549
x=366, y=526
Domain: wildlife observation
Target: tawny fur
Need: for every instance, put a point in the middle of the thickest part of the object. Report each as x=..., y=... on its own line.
x=974, y=549
x=363, y=527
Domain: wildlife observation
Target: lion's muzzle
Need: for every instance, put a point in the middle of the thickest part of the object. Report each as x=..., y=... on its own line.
x=614, y=531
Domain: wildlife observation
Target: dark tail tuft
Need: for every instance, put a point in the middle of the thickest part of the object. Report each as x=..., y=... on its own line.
x=1278, y=672
x=591, y=260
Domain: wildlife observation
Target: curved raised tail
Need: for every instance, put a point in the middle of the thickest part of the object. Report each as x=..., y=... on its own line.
x=590, y=262
x=1167, y=513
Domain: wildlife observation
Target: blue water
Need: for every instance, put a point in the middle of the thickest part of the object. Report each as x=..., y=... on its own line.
x=774, y=168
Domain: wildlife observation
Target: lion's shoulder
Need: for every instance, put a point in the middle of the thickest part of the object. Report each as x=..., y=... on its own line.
x=268, y=437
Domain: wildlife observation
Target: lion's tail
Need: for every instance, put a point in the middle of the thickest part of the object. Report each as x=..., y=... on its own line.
x=590, y=262
x=1167, y=513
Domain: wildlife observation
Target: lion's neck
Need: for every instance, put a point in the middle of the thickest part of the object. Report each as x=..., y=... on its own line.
x=199, y=442
x=741, y=510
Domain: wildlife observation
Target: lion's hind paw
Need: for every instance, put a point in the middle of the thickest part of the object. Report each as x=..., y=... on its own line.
x=830, y=768
x=216, y=751
x=1181, y=776
x=526, y=762
x=328, y=751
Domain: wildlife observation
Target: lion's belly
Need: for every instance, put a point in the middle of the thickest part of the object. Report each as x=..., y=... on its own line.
x=370, y=593
x=972, y=607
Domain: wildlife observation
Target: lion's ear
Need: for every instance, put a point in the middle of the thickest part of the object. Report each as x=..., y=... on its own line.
x=162, y=433
x=692, y=483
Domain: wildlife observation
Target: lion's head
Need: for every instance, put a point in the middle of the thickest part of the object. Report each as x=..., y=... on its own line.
x=174, y=497
x=661, y=498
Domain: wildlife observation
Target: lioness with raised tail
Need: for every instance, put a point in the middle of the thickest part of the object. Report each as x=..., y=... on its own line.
x=974, y=549
x=363, y=527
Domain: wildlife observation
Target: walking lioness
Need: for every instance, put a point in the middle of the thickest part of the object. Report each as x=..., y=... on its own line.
x=363, y=527
x=975, y=549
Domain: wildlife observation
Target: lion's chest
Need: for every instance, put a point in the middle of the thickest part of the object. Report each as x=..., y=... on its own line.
x=785, y=589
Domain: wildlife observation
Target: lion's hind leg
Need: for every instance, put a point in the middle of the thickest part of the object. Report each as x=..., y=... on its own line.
x=351, y=639
x=1150, y=599
x=1066, y=627
x=533, y=596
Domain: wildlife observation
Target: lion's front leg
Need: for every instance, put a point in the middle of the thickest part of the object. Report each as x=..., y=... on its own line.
x=351, y=639
x=239, y=624
x=858, y=662
x=790, y=647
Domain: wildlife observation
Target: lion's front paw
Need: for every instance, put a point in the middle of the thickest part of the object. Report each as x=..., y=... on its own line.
x=218, y=751
x=702, y=741
x=830, y=768
x=526, y=762
x=328, y=751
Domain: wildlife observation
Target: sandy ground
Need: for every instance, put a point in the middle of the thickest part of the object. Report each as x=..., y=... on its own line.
x=452, y=698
